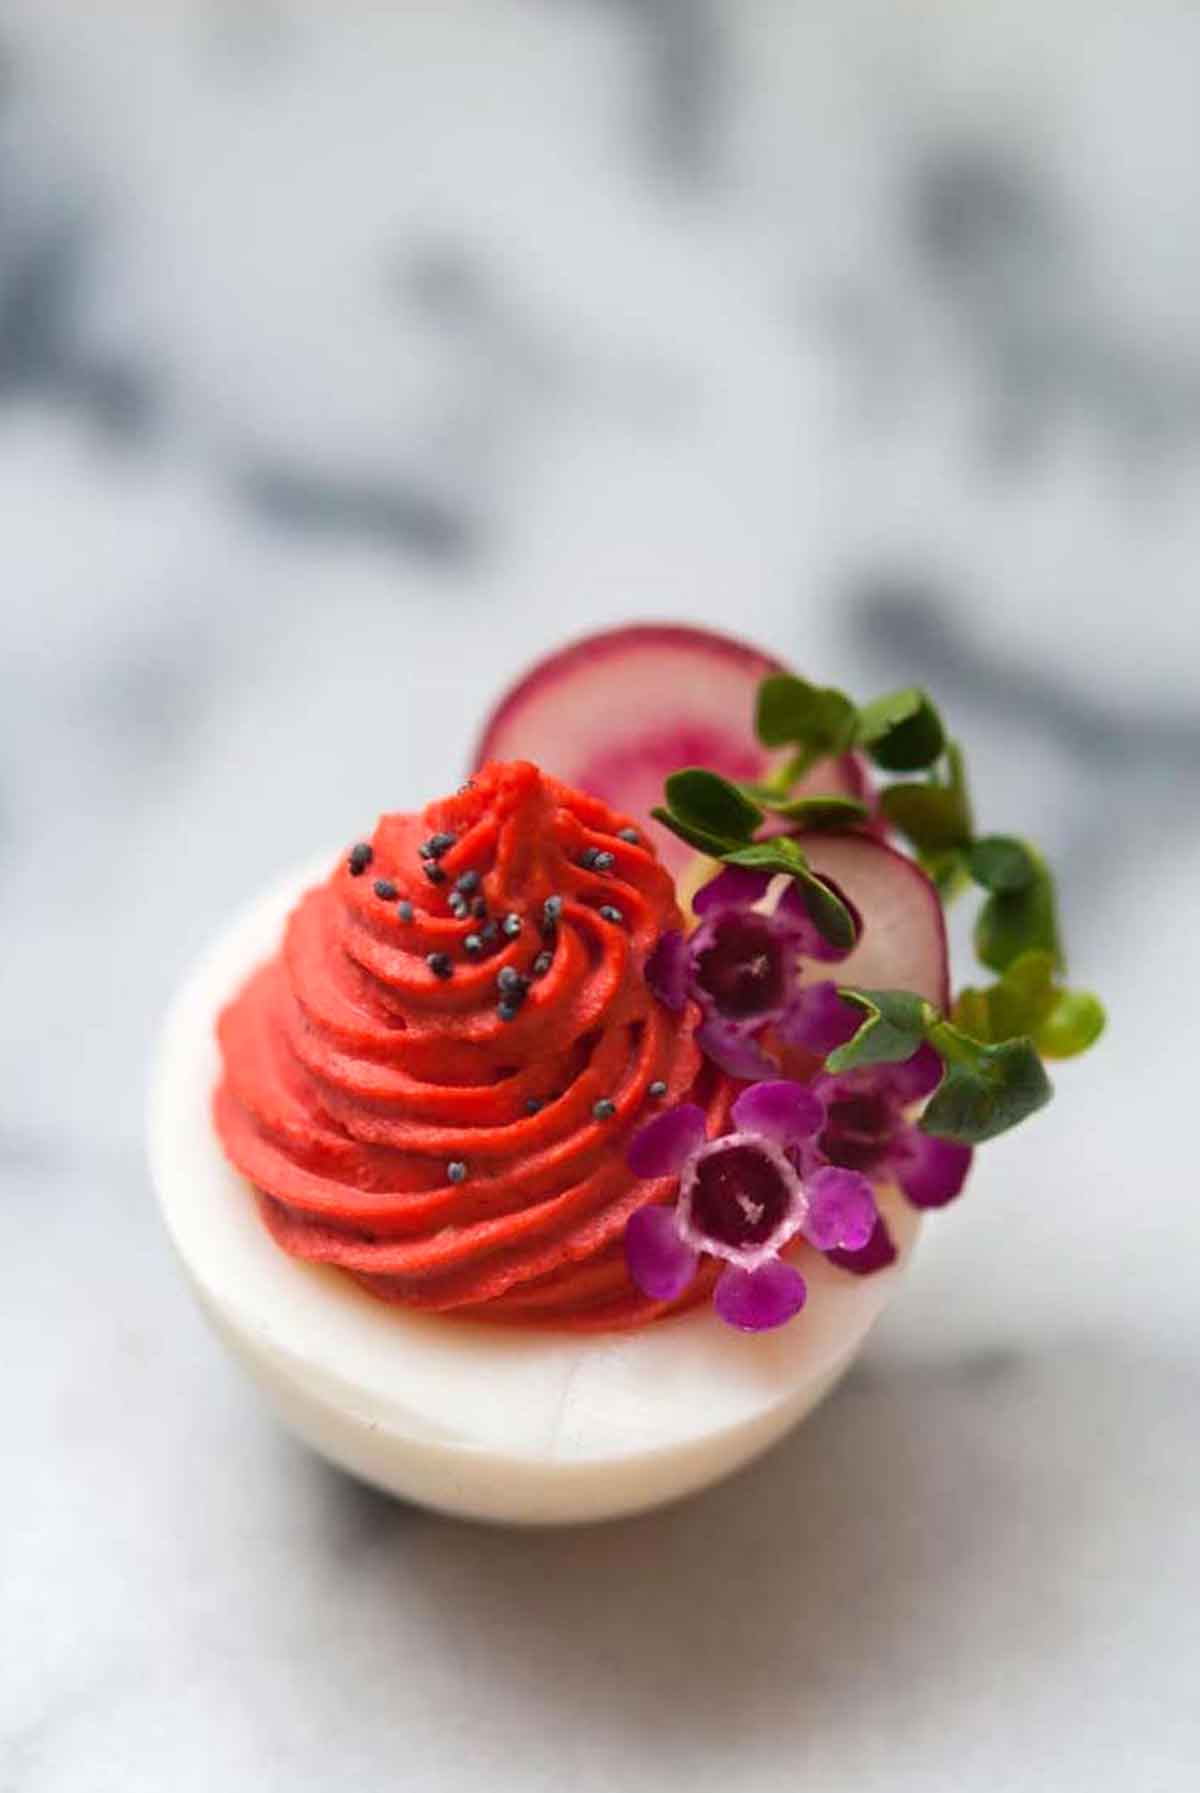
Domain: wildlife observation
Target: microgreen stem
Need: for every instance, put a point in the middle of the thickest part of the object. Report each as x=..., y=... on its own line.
x=951, y=1046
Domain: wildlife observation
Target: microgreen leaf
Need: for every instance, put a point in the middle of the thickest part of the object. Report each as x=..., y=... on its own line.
x=709, y=802
x=704, y=842
x=826, y=814
x=1017, y=1004
x=830, y=916
x=1074, y=1023
x=1000, y=863
x=1027, y=1000
x=986, y=1089
x=780, y=854
x=1012, y=922
x=973, y=1013
x=945, y=866
x=791, y=711
x=826, y=910
x=893, y=1030
x=902, y=732
x=934, y=814
x=931, y=815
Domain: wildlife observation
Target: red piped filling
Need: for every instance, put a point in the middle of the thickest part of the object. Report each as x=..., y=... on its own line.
x=357, y=1072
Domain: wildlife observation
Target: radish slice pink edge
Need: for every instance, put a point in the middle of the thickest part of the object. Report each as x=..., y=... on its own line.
x=903, y=944
x=616, y=712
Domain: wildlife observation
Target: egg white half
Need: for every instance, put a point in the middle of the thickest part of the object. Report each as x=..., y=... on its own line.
x=487, y=1422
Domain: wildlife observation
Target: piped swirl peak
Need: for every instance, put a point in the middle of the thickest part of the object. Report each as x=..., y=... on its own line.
x=434, y=1089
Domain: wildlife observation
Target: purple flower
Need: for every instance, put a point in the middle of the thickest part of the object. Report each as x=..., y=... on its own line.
x=868, y=1129
x=743, y=1198
x=741, y=966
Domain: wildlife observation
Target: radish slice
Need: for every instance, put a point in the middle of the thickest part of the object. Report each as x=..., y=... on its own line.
x=616, y=712
x=903, y=944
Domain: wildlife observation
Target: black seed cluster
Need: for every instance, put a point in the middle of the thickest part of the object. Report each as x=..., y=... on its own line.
x=658, y=1089
x=608, y=913
x=440, y=964
x=542, y=964
x=360, y=858
x=604, y=1109
x=456, y=1171
x=513, y=990
x=434, y=872
x=629, y=834
x=404, y=910
x=512, y=925
x=459, y=907
x=385, y=890
x=552, y=910
x=467, y=882
x=479, y=909
x=473, y=945
x=435, y=846
x=533, y=1105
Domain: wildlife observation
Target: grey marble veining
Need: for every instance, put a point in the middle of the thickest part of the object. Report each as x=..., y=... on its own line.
x=349, y=356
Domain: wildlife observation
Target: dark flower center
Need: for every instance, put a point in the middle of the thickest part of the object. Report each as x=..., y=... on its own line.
x=739, y=1196
x=859, y=1129
x=743, y=969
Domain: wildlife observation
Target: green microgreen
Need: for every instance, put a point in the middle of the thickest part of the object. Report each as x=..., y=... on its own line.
x=894, y=1028
x=716, y=816
x=995, y=1038
x=711, y=805
x=986, y=1089
x=791, y=712
x=901, y=732
x=987, y=1086
x=1026, y=999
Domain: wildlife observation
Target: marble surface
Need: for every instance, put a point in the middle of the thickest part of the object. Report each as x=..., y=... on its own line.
x=347, y=357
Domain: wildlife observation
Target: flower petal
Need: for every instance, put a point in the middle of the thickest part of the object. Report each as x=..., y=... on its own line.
x=934, y=1170
x=810, y=941
x=841, y=1209
x=818, y=1020
x=667, y=970
x=741, y=1199
x=918, y=1076
x=758, y=1300
x=876, y=1254
x=659, y=1262
x=735, y=1050
x=663, y=1146
x=779, y=1109
x=737, y=887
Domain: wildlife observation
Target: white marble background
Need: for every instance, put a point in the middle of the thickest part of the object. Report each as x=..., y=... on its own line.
x=348, y=356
